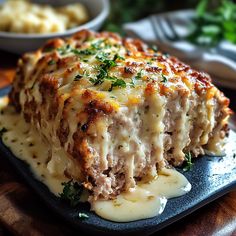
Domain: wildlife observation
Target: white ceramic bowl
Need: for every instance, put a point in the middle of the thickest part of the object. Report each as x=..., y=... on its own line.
x=20, y=43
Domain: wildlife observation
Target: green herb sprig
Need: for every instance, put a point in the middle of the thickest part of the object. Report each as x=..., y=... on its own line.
x=72, y=192
x=188, y=166
x=213, y=24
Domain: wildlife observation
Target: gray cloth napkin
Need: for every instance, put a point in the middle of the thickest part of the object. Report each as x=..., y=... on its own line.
x=159, y=29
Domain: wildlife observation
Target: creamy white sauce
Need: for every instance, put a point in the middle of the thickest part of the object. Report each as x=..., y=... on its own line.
x=146, y=200
x=28, y=146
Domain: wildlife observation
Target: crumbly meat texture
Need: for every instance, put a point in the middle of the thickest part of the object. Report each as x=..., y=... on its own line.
x=120, y=109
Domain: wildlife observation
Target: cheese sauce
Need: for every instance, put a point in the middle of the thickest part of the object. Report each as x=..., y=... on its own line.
x=146, y=200
x=28, y=146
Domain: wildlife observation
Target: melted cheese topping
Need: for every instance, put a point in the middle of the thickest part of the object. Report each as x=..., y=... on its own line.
x=146, y=200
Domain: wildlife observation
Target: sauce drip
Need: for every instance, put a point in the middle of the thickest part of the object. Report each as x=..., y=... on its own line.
x=26, y=144
x=146, y=200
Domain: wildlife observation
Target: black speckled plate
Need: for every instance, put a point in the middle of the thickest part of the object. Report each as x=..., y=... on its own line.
x=211, y=177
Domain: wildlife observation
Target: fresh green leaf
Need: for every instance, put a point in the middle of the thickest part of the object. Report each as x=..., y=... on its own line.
x=230, y=37
x=201, y=8
x=211, y=29
x=214, y=24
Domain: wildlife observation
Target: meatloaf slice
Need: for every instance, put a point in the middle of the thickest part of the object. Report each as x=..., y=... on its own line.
x=119, y=109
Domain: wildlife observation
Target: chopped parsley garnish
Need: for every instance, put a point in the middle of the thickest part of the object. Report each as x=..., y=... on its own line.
x=100, y=77
x=119, y=57
x=72, y=192
x=106, y=64
x=83, y=215
x=2, y=131
x=97, y=45
x=64, y=50
x=164, y=78
x=139, y=75
x=117, y=83
x=102, y=56
x=86, y=52
x=189, y=164
x=68, y=49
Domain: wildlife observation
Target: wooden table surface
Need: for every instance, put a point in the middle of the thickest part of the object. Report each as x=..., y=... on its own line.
x=23, y=213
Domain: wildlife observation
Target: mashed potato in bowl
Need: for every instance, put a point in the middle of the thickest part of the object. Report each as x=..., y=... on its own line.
x=21, y=16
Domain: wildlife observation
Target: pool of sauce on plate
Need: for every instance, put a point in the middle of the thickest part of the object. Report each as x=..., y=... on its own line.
x=146, y=200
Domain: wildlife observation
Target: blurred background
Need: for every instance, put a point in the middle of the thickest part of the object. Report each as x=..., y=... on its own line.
x=123, y=11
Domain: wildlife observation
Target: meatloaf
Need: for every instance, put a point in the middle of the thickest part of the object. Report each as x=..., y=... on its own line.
x=119, y=109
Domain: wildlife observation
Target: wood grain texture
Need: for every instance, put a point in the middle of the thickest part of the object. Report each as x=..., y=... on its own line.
x=23, y=213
